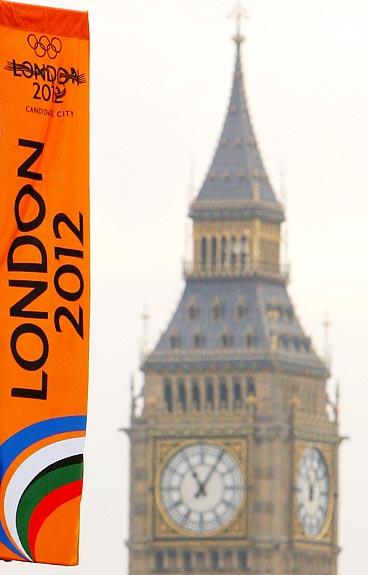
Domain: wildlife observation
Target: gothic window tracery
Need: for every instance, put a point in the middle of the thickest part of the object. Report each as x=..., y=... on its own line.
x=226, y=340
x=251, y=386
x=241, y=310
x=195, y=395
x=249, y=339
x=198, y=340
x=187, y=561
x=224, y=399
x=203, y=254
x=168, y=395
x=234, y=252
x=237, y=393
x=244, y=253
x=200, y=560
x=193, y=311
x=223, y=253
x=213, y=254
x=215, y=560
x=159, y=561
x=174, y=341
x=242, y=560
x=218, y=310
x=182, y=395
x=210, y=400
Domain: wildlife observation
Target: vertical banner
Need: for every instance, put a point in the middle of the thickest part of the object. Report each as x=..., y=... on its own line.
x=44, y=279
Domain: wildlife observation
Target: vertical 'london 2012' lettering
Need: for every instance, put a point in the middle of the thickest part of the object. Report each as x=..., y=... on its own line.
x=19, y=268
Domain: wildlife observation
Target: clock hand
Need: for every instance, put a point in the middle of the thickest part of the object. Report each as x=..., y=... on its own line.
x=311, y=486
x=203, y=484
x=311, y=491
x=194, y=473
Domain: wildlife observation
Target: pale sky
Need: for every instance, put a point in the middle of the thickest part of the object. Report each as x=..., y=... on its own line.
x=160, y=81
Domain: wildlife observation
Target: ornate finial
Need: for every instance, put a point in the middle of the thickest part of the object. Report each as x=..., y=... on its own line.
x=145, y=319
x=337, y=394
x=327, y=344
x=132, y=395
x=239, y=13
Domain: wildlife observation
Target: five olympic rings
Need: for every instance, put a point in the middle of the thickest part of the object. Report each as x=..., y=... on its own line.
x=44, y=45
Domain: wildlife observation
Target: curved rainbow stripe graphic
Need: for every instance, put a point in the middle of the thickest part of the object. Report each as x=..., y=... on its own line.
x=41, y=469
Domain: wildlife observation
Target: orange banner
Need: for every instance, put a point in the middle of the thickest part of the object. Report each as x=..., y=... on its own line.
x=44, y=279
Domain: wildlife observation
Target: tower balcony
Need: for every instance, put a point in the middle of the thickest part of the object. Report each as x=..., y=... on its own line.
x=267, y=270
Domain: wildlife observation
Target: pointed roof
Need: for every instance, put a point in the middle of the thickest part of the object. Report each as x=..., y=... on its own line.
x=237, y=180
x=278, y=339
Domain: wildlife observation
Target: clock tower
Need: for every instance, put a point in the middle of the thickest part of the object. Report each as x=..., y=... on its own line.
x=234, y=454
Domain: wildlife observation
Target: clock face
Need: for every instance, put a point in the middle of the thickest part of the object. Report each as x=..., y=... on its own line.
x=202, y=488
x=312, y=492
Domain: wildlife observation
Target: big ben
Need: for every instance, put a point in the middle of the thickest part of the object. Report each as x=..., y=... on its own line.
x=234, y=456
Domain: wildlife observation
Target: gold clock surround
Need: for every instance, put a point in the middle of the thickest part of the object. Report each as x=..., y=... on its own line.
x=164, y=526
x=326, y=533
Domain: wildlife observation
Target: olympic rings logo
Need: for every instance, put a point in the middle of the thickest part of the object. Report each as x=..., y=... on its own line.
x=44, y=45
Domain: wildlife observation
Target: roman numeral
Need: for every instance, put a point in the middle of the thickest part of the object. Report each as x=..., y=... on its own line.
x=229, y=504
x=174, y=505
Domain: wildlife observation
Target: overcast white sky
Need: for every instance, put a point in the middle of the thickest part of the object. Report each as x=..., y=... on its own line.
x=160, y=80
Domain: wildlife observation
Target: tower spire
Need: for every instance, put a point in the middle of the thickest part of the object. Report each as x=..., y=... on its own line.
x=239, y=13
x=237, y=183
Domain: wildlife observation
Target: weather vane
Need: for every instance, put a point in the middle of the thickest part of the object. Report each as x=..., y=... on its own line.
x=239, y=13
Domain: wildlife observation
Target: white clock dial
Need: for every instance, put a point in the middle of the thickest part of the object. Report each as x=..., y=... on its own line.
x=202, y=488
x=312, y=492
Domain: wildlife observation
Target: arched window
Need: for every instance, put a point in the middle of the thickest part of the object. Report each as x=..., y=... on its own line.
x=242, y=561
x=226, y=340
x=200, y=560
x=182, y=395
x=237, y=393
x=213, y=254
x=218, y=310
x=234, y=250
x=209, y=394
x=244, y=253
x=174, y=341
x=203, y=254
x=193, y=311
x=159, y=561
x=281, y=313
x=251, y=386
x=224, y=399
x=249, y=339
x=195, y=395
x=215, y=560
x=223, y=253
x=241, y=310
x=168, y=397
x=187, y=561
x=198, y=340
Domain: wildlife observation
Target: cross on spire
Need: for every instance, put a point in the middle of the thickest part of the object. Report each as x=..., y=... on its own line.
x=239, y=13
